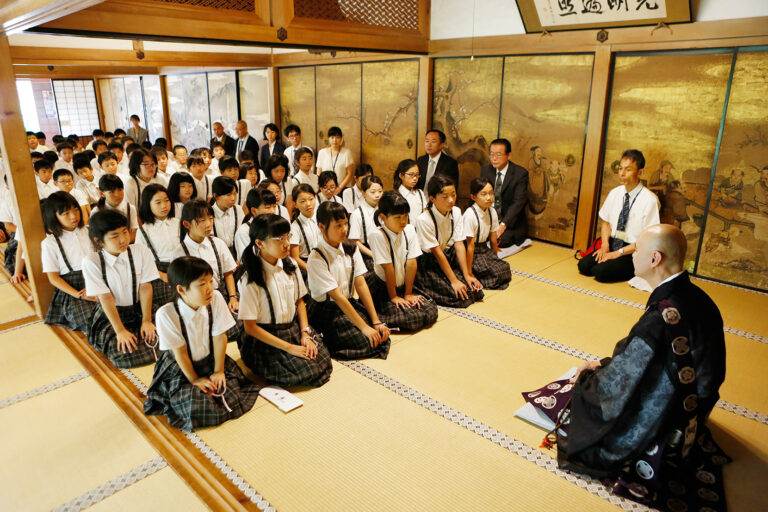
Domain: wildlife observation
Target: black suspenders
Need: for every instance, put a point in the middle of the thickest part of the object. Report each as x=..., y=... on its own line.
x=365, y=229
x=138, y=196
x=215, y=253
x=184, y=329
x=64, y=254
x=477, y=231
x=234, y=231
x=304, y=236
x=351, y=272
x=149, y=244
x=134, y=291
x=392, y=250
x=437, y=231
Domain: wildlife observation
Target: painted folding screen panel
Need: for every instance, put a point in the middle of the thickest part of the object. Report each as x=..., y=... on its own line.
x=389, y=115
x=115, y=105
x=134, y=100
x=465, y=106
x=153, y=107
x=254, y=101
x=544, y=107
x=735, y=245
x=669, y=106
x=188, y=110
x=222, y=100
x=338, y=103
x=297, y=102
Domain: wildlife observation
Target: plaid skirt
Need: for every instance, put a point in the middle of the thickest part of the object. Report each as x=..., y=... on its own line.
x=368, y=262
x=493, y=272
x=431, y=279
x=237, y=332
x=68, y=311
x=280, y=367
x=10, y=254
x=162, y=293
x=102, y=336
x=186, y=407
x=408, y=320
x=343, y=339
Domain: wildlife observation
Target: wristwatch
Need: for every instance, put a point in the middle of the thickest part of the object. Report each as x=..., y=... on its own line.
x=621, y=251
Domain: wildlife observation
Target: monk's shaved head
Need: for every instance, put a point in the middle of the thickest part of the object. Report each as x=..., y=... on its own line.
x=669, y=241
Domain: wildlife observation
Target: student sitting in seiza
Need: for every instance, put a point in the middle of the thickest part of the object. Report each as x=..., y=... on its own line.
x=229, y=168
x=65, y=182
x=142, y=168
x=112, y=198
x=442, y=242
x=304, y=161
x=351, y=328
x=327, y=183
x=260, y=201
x=277, y=169
x=352, y=196
x=196, y=240
x=405, y=180
x=395, y=247
x=196, y=384
x=278, y=344
x=227, y=215
x=120, y=275
x=181, y=190
x=480, y=225
x=43, y=178
x=62, y=253
x=272, y=186
x=361, y=219
x=305, y=235
x=196, y=167
x=87, y=185
x=159, y=231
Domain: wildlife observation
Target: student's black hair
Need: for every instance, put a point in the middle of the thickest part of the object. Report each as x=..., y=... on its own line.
x=200, y=151
x=194, y=160
x=291, y=128
x=194, y=210
x=256, y=197
x=275, y=161
x=438, y=132
x=145, y=209
x=185, y=270
x=161, y=141
x=132, y=147
x=108, y=183
x=303, y=150
x=274, y=128
x=436, y=185
x=325, y=177
x=266, y=182
x=89, y=153
x=119, y=132
x=137, y=157
x=178, y=146
x=40, y=136
x=42, y=164
x=402, y=168
x=478, y=184
x=369, y=181
x=33, y=133
x=98, y=132
x=58, y=139
x=58, y=202
x=334, y=131
x=229, y=162
x=247, y=154
x=216, y=144
x=174, y=184
x=502, y=142
x=301, y=188
x=98, y=143
x=73, y=138
x=158, y=151
x=107, y=155
x=36, y=154
x=222, y=186
x=62, y=146
x=636, y=156
x=102, y=222
x=363, y=170
x=330, y=211
x=134, y=116
x=263, y=227
x=146, y=145
x=51, y=156
x=108, y=135
x=62, y=172
x=391, y=203
x=115, y=144
x=127, y=140
x=247, y=166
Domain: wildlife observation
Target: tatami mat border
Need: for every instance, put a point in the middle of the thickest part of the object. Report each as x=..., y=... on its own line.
x=499, y=438
x=21, y=326
x=107, y=489
x=540, y=340
x=232, y=475
x=574, y=288
x=26, y=395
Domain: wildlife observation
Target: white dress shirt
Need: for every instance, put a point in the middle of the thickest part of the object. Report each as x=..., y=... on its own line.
x=489, y=221
x=285, y=289
x=163, y=236
x=416, y=200
x=311, y=231
x=118, y=270
x=226, y=223
x=351, y=198
x=644, y=210
x=45, y=189
x=76, y=245
x=302, y=177
x=90, y=189
x=204, y=251
x=323, y=279
x=123, y=208
x=445, y=238
x=337, y=163
x=363, y=214
x=433, y=167
x=402, y=251
x=132, y=194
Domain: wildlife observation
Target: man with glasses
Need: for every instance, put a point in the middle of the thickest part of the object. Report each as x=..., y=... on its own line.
x=510, y=190
x=435, y=161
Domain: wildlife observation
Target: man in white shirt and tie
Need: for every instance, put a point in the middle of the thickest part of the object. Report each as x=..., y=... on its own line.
x=245, y=141
x=435, y=161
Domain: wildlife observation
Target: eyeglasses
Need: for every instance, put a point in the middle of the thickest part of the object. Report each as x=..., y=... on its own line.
x=497, y=155
x=282, y=239
x=65, y=182
x=412, y=174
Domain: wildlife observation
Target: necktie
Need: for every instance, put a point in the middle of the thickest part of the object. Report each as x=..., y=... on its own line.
x=616, y=243
x=430, y=172
x=240, y=144
x=497, y=193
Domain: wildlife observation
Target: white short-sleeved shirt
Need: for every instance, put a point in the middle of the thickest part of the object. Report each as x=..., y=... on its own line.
x=80, y=196
x=489, y=221
x=361, y=223
x=242, y=238
x=283, y=212
x=243, y=187
x=123, y=208
x=203, y=186
x=164, y=177
x=416, y=200
x=644, y=211
x=289, y=153
x=226, y=223
x=285, y=289
x=63, y=164
x=425, y=227
x=302, y=177
x=337, y=163
x=204, y=251
x=76, y=245
x=213, y=169
x=7, y=213
x=132, y=194
x=351, y=198
x=45, y=189
x=95, y=165
x=163, y=237
x=286, y=187
x=311, y=231
x=90, y=189
x=118, y=270
x=196, y=322
x=323, y=277
x=405, y=246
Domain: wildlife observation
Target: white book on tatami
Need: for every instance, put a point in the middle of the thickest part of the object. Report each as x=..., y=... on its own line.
x=284, y=400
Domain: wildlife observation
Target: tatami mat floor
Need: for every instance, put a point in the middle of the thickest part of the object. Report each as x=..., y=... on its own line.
x=430, y=428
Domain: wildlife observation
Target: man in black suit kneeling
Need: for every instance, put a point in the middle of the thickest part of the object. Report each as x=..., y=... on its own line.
x=435, y=161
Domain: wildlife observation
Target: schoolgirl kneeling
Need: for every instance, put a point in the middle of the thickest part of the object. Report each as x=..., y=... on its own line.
x=443, y=271
x=62, y=254
x=351, y=328
x=395, y=247
x=278, y=343
x=481, y=222
x=159, y=231
x=195, y=383
x=120, y=275
x=361, y=222
x=259, y=201
x=305, y=234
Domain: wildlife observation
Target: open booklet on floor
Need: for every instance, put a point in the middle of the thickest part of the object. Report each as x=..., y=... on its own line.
x=546, y=402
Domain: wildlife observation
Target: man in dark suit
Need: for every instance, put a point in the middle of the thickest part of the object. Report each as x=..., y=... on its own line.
x=219, y=136
x=510, y=188
x=435, y=161
x=245, y=141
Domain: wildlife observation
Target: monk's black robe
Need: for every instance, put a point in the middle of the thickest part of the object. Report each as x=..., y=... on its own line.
x=639, y=420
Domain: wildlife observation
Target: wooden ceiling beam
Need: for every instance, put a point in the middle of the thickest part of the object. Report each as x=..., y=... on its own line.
x=18, y=15
x=22, y=71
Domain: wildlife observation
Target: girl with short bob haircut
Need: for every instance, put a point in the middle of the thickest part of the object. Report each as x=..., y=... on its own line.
x=405, y=180
x=181, y=190
x=352, y=196
x=481, y=222
x=277, y=170
x=227, y=216
x=351, y=328
x=196, y=384
x=259, y=201
x=113, y=198
x=278, y=344
x=159, y=231
x=305, y=235
x=361, y=220
x=142, y=169
x=120, y=276
x=62, y=252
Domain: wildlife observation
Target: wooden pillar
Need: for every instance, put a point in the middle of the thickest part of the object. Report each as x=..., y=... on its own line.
x=426, y=75
x=589, y=194
x=18, y=167
x=166, y=113
x=274, y=96
x=100, y=104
